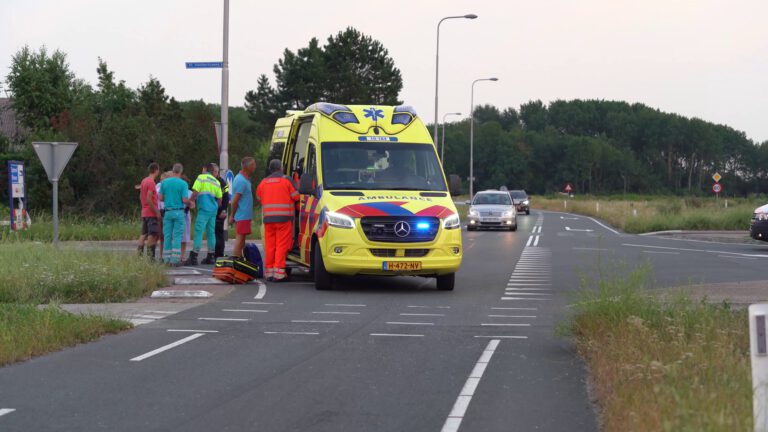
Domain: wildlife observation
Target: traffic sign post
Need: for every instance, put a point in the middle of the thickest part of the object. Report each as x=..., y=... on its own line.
x=205, y=65
x=716, y=177
x=568, y=189
x=17, y=195
x=54, y=156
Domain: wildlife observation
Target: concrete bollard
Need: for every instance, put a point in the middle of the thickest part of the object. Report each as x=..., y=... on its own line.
x=726, y=203
x=758, y=347
x=597, y=207
x=565, y=204
x=634, y=212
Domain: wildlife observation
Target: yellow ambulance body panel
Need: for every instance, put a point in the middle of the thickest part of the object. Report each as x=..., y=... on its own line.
x=374, y=198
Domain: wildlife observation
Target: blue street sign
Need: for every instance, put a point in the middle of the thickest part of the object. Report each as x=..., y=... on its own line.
x=230, y=178
x=205, y=65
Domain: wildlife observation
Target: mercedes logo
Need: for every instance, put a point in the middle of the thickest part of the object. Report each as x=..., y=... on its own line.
x=402, y=229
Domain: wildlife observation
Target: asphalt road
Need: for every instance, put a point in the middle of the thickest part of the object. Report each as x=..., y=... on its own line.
x=373, y=355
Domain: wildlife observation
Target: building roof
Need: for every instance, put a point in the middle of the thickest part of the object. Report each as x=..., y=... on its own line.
x=9, y=124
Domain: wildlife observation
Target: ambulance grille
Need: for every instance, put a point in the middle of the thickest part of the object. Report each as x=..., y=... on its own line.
x=382, y=228
x=407, y=253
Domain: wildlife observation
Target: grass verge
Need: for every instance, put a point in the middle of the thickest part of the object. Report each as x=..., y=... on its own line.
x=36, y=273
x=672, y=365
x=27, y=331
x=648, y=214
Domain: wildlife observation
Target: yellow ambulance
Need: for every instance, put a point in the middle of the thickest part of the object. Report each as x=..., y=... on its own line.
x=374, y=198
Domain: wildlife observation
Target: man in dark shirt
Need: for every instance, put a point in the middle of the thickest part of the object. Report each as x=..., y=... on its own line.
x=221, y=217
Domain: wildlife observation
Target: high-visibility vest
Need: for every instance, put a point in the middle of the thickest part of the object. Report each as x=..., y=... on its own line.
x=277, y=196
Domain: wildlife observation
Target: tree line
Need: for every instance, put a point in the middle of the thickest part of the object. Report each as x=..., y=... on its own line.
x=604, y=147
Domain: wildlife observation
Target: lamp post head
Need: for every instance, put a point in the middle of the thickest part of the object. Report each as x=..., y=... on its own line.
x=470, y=16
x=493, y=79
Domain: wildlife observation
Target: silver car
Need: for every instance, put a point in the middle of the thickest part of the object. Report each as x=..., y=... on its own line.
x=492, y=209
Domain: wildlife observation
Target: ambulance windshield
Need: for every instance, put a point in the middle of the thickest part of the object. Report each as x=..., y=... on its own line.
x=381, y=166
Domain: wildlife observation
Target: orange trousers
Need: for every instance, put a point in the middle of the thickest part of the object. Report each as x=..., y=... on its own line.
x=278, y=240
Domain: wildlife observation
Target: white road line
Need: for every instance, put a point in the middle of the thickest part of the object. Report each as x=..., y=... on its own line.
x=345, y=305
x=315, y=321
x=409, y=323
x=262, y=291
x=524, y=299
x=167, y=347
x=263, y=303
x=149, y=317
x=590, y=249
x=137, y=321
x=527, y=284
x=504, y=325
x=4, y=411
x=160, y=312
x=336, y=313
x=397, y=335
x=422, y=314
x=245, y=310
x=529, y=279
x=224, y=319
x=514, y=308
x=453, y=422
x=696, y=250
x=605, y=226
x=511, y=316
x=530, y=239
x=736, y=257
x=514, y=292
x=192, y=331
x=661, y=252
x=502, y=337
x=291, y=333
x=430, y=307
x=536, y=242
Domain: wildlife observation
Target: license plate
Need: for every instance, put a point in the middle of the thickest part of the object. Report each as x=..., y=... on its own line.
x=402, y=265
x=491, y=219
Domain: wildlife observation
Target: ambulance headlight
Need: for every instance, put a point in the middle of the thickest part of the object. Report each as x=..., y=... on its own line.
x=452, y=222
x=339, y=220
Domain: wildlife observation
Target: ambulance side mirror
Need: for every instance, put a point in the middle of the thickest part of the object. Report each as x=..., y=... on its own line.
x=454, y=184
x=306, y=186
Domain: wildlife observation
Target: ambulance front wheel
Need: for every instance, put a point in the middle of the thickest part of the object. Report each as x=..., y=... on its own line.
x=323, y=279
x=446, y=282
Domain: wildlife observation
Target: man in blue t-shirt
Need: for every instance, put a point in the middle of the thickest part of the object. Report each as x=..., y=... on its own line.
x=173, y=193
x=242, y=204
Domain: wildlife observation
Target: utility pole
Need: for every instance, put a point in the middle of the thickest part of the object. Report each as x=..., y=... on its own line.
x=224, y=154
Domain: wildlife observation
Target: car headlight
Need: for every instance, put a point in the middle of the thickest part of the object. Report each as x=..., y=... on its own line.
x=452, y=222
x=473, y=212
x=339, y=220
x=525, y=202
x=508, y=213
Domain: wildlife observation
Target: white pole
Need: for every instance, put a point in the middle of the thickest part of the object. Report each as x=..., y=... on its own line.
x=472, y=135
x=224, y=154
x=759, y=358
x=55, y=212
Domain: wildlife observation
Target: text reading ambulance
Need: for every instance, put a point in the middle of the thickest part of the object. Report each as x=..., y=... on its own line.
x=374, y=198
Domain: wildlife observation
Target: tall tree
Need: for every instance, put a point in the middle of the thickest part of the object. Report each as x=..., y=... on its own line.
x=41, y=86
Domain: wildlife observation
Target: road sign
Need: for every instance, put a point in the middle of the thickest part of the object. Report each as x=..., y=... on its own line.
x=568, y=188
x=716, y=177
x=54, y=157
x=717, y=188
x=230, y=178
x=17, y=195
x=205, y=65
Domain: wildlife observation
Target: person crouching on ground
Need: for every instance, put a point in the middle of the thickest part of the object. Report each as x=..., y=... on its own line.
x=174, y=193
x=206, y=192
x=150, y=228
x=242, y=204
x=278, y=198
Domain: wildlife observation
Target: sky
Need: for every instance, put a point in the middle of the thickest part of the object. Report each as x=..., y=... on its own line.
x=698, y=58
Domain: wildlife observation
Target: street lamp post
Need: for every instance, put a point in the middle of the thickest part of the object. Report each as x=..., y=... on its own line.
x=224, y=153
x=472, y=135
x=437, y=59
x=442, y=147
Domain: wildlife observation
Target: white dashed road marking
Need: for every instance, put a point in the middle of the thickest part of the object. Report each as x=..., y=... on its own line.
x=291, y=333
x=262, y=303
x=504, y=325
x=511, y=316
x=224, y=319
x=515, y=308
x=409, y=323
x=4, y=411
x=245, y=310
x=192, y=331
x=453, y=422
x=315, y=321
x=336, y=313
x=262, y=291
x=397, y=335
x=345, y=305
x=167, y=347
x=422, y=314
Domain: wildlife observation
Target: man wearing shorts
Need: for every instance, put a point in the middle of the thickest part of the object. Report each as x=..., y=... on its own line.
x=242, y=204
x=150, y=225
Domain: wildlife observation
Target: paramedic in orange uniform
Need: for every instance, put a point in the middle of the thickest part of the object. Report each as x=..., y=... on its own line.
x=278, y=197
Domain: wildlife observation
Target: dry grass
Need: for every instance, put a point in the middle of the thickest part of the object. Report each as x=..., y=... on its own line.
x=663, y=366
x=647, y=214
